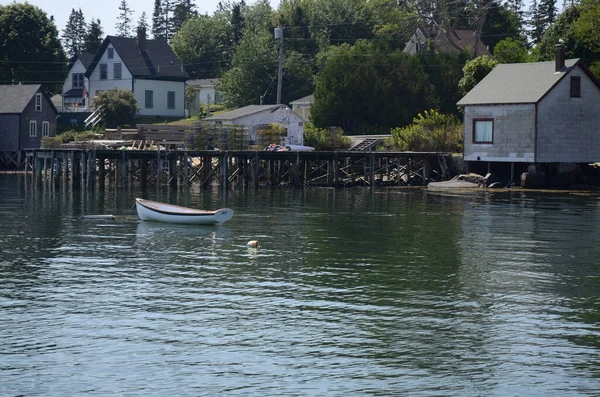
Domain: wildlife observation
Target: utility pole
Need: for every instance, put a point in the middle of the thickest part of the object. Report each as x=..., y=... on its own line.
x=279, y=35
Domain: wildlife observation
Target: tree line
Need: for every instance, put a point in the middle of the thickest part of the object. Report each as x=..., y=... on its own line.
x=348, y=53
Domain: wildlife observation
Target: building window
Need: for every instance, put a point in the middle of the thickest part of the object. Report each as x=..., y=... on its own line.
x=32, y=128
x=483, y=131
x=45, y=128
x=103, y=71
x=117, y=71
x=149, y=103
x=38, y=102
x=170, y=99
x=575, y=86
x=111, y=53
x=77, y=80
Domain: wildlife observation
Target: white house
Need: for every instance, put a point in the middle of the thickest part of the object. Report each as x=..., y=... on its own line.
x=541, y=112
x=302, y=106
x=205, y=93
x=149, y=68
x=76, y=87
x=253, y=116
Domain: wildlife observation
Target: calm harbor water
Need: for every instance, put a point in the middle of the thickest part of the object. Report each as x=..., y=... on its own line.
x=353, y=292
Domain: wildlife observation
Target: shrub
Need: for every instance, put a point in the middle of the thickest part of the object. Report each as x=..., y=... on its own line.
x=325, y=138
x=119, y=107
x=430, y=131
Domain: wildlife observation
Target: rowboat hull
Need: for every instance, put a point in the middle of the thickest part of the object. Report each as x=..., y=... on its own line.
x=161, y=212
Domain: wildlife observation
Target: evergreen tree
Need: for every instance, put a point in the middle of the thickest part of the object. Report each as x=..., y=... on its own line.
x=184, y=10
x=547, y=12
x=237, y=22
x=74, y=33
x=168, y=9
x=124, y=25
x=142, y=23
x=94, y=36
x=536, y=25
x=158, y=21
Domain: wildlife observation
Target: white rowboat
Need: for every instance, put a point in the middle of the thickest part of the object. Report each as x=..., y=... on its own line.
x=160, y=212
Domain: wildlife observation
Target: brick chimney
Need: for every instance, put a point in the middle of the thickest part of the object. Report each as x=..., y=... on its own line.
x=141, y=39
x=559, y=61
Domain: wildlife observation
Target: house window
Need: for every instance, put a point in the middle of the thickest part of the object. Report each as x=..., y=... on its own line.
x=575, y=86
x=45, y=128
x=170, y=99
x=117, y=71
x=149, y=103
x=111, y=53
x=103, y=71
x=38, y=102
x=77, y=80
x=32, y=128
x=483, y=131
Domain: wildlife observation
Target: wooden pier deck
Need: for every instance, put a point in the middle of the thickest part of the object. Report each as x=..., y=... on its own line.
x=230, y=169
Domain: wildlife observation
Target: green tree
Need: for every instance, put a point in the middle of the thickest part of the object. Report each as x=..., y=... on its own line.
x=124, y=25
x=30, y=50
x=501, y=22
x=474, y=71
x=119, y=107
x=237, y=22
x=159, y=30
x=510, y=51
x=202, y=44
x=587, y=27
x=369, y=88
x=93, y=37
x=535, y=23
x=142, y=23
x=74, y=33
x=392, y=21
x=183, y=10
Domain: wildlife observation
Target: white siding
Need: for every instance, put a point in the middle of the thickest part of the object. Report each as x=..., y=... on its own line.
x=285, y=116
x=160, y=89
x=569, y=128
x=514, y=133
x=95, y=84
x=76, y=68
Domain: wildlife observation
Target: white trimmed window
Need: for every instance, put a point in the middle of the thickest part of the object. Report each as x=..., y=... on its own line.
x=77, y=80
x=45, y=128
x=149, y=99
x=110, y=53
x=38, y=102
x=32, y=128
x=103, y=71
x=170, y=99
x=117, y=71
x=483, y=131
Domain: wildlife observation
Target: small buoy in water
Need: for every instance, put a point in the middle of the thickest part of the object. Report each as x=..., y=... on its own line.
x=252, y=244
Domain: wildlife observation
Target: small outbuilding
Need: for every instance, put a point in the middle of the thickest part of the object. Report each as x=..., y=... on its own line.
x=302, y=106
x=26, y=116
x=254, y=116
x=534, y=114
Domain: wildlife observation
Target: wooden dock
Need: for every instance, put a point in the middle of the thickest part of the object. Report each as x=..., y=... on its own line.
x=230, y=169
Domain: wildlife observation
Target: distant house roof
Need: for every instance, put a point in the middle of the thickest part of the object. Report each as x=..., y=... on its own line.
x=156, y=62
x=85, y=58
x=307, y=100
x=14, y=98
x=202, y=82
x=465, y=39
x=74, y=92
x=245, y=111
x=519, y=83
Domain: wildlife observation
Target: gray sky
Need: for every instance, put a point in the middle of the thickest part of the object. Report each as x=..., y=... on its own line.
x=108, y=10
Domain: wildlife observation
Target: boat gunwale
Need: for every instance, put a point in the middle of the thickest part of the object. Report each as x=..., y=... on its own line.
x=190, y=211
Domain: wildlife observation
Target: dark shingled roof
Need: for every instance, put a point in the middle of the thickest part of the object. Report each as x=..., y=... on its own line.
x=85, y=58
x=156, y=62
x=14, y=98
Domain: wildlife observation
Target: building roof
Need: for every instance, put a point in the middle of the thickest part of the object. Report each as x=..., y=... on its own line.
x=245, y=111
x=512, y=83
x=307, y=100
x=202, y=82
x=465, y=39
x=156, y=62
x=85, y=58
x=14, y=98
